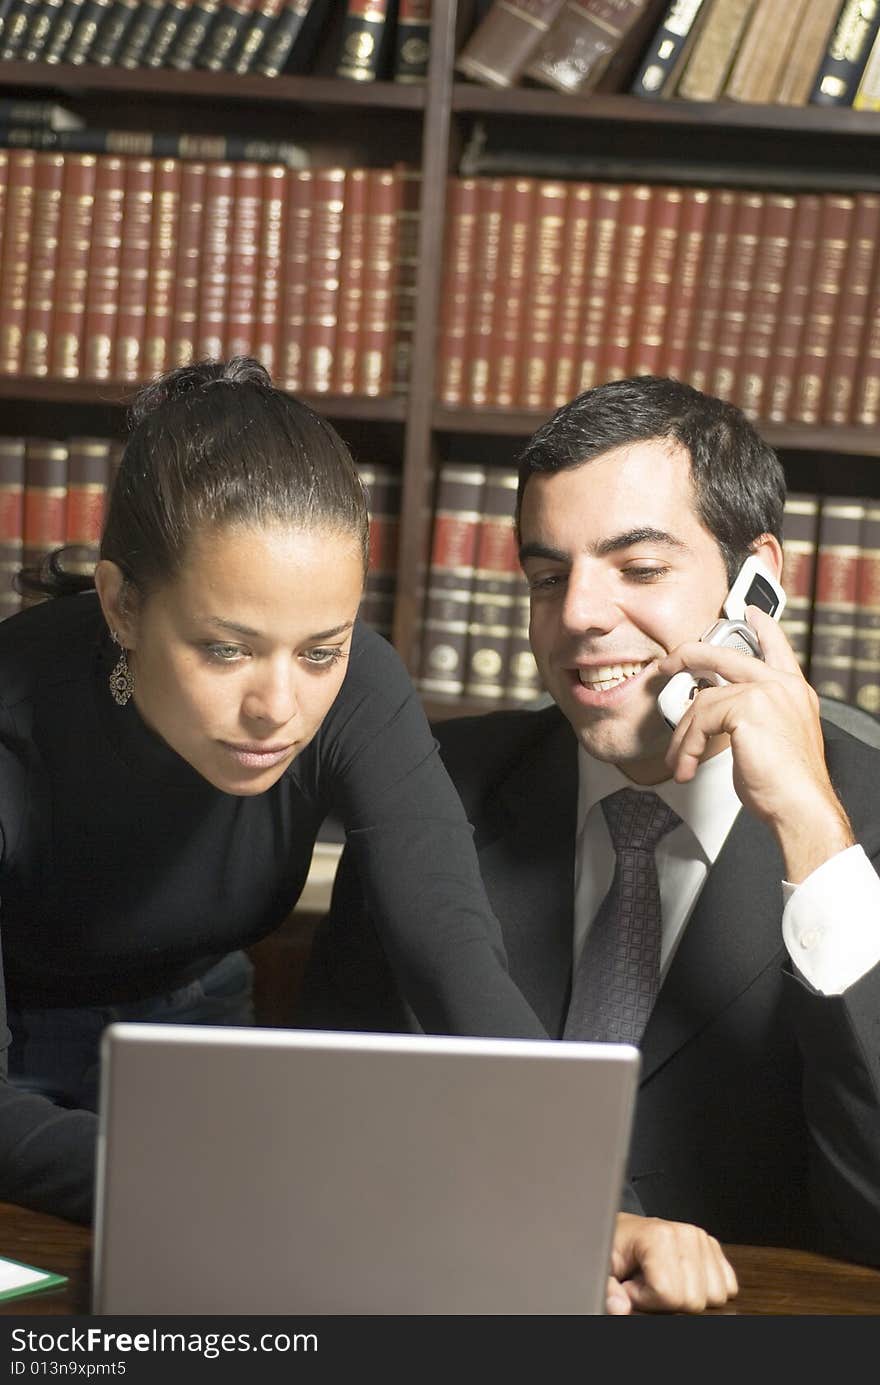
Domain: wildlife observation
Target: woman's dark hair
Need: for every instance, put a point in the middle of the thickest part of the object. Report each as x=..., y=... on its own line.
x=739, y=484
x=215, y=443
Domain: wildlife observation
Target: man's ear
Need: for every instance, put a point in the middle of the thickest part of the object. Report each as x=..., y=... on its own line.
x=769, y=550
x=116, y=597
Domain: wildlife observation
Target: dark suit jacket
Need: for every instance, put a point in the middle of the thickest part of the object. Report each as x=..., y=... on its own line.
x=758, y=1115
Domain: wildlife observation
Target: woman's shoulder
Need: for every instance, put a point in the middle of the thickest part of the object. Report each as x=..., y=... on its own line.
x=47, y=643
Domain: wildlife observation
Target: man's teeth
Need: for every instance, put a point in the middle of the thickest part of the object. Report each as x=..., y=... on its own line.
x=609, y=676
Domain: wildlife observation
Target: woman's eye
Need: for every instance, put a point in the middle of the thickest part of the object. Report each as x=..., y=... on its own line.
x=323, y=657
x=225, y=653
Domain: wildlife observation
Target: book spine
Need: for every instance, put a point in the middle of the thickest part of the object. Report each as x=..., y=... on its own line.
x=15, y=263
x=378, y=304
x=230, y=22
x=865, y=688
x=575, y=273
x=45, y=113
x=669, y=43
x=867, y=97
x=608, y=204
x=656, y=283
x=42, y=22
x=15, y=29
x=45, y=498
x=496, y=581
x=705, y=72
x=762, y=309
x=412, y=41
x=192, y=36
x=187, y=270
x=162, y=267
x=447, y=603
x=249, y=42
x=211, y=327
x=74, y=243
x=138, y=37
x=322, y=286
x=112, y=33
x=85, y=32
x=764, y=51
x=459, y=260
x=58, y=39
x=524, y=680
x=844, y=60
x=585, y=39
x=834, y=608
x=793, y=308
x=543, y=288
x=298, y=235
x=745, y=238
x=280, y=43
x=407, y=274
x=363, y=40
x=503, y=43
x=835, y=228
x=686, y=276
x=244, y=254
x=846, y=349
x=636, y=210
x=48, y=180
x=477, y=351
x=171, y=22
x=102, y=280
x=12, y=465
x=800, y=535
x=270, y=267
x=713, y=277
x=806, y=52
x=134, y=269
x=381, y=482
x=866, y=387
x=88, y=476
x=509, y=314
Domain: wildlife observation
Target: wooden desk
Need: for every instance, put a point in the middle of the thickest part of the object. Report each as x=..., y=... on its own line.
x=772, y=1282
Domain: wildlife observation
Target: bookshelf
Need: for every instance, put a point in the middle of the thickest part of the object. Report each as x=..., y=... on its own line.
x=429, y=126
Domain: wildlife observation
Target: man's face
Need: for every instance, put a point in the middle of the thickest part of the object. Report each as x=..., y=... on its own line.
x=621, y=570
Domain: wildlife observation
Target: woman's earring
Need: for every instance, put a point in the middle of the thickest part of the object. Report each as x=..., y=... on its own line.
x=121, y=677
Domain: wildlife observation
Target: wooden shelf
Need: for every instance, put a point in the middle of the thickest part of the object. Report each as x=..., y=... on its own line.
x=442, y=708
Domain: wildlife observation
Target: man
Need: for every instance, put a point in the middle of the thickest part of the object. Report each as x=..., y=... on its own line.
x=758, y=1115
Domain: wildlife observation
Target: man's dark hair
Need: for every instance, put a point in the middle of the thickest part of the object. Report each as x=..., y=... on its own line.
x=739, y=484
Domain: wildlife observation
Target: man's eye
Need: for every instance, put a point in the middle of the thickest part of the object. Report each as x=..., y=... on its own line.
x=546, y=582
x=645, y=574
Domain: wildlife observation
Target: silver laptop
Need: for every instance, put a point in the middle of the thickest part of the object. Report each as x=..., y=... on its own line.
x=252, y=1171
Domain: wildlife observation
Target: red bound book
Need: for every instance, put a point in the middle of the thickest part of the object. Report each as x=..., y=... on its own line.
x=273, y=197
x=164, y=237
x=575, y=273
x=409, y=218
x=295, y=276
x=865, y=687
x=800, y=537
x=376, y=365
x=478, y=350
x=74, y=245
x=510, y=311
x=217, y=219
x=823, y=305
x=88, y=481
x=346, y=363
x=457, y=513
x=543, y=289
x=134, y=269
x=656, y=286
x=607, y=212
x=832, y=643
x=792, y=308
x=187, y=272
x=244, y=248
x=859, y=275
x=866, y=387
x=710, y=292
x=732, y=316
x=625, y=288
x=687, y=271
x=504, y=41
x=382, y=484
x=322, y=290
x=12, y=467
x=102, y=282
x=45, y=498
x=459, y=260
x=496, y=584
x=48, y=178
x=763, y=304
x=524, y=681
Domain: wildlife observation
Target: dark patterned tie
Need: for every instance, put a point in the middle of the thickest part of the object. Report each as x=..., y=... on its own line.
x=618, y=975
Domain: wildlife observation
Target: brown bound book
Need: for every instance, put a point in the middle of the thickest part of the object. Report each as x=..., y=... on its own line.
x=764, y=51
x=502, y=44
x=412, y=41
x=834, y=608
x=379, y=305
x=686, y=274
x=732, y=315
x=763, y=304
x=510, y=311
x=267, y=339
x=800, y=537
x=187, y=272
x=496, y=584
x=134, y=269
x=792, y=308
x=74, y=244
x=524, y=681
x=627, y=269
x=346, y=364
x=158, y=323
x=575, y=272
x=859, y=275
x=478, y=351
x=244, y=253
x=844, y=59
x=382, y=484
x=823, y=306
x=409, y=218
x=865, y=687
x=543, y=290
x=88, y=482
x=217, y=217
x=48, y=179
x=364, y=41
x=710, y=292
x=322, y=290
x=12, y=454
x=806, y=51
x=712, y=56
x=295, y=277
x=45, y=498
x=607, y=211
x=592, y=38
x=668, y=48
x=102, y=281
x=459, y=260
x=457, y=512
x=657, y=286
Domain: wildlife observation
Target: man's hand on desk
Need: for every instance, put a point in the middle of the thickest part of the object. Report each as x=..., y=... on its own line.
x=666, y=1267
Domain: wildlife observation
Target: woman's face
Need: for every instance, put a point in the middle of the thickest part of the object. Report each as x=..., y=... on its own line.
x=238, y=660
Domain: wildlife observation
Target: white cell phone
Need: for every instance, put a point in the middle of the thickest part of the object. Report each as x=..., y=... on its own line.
x=755, y=585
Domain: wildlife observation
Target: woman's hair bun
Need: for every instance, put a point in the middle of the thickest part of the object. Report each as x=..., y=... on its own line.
x=198, y=376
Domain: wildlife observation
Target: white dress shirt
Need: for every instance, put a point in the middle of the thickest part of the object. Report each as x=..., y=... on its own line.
x=830, y=921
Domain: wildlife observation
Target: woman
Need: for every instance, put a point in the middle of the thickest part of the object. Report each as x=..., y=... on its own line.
x=171, y=742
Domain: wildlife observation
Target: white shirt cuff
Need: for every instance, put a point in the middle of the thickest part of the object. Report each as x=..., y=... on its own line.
x=831, y=921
